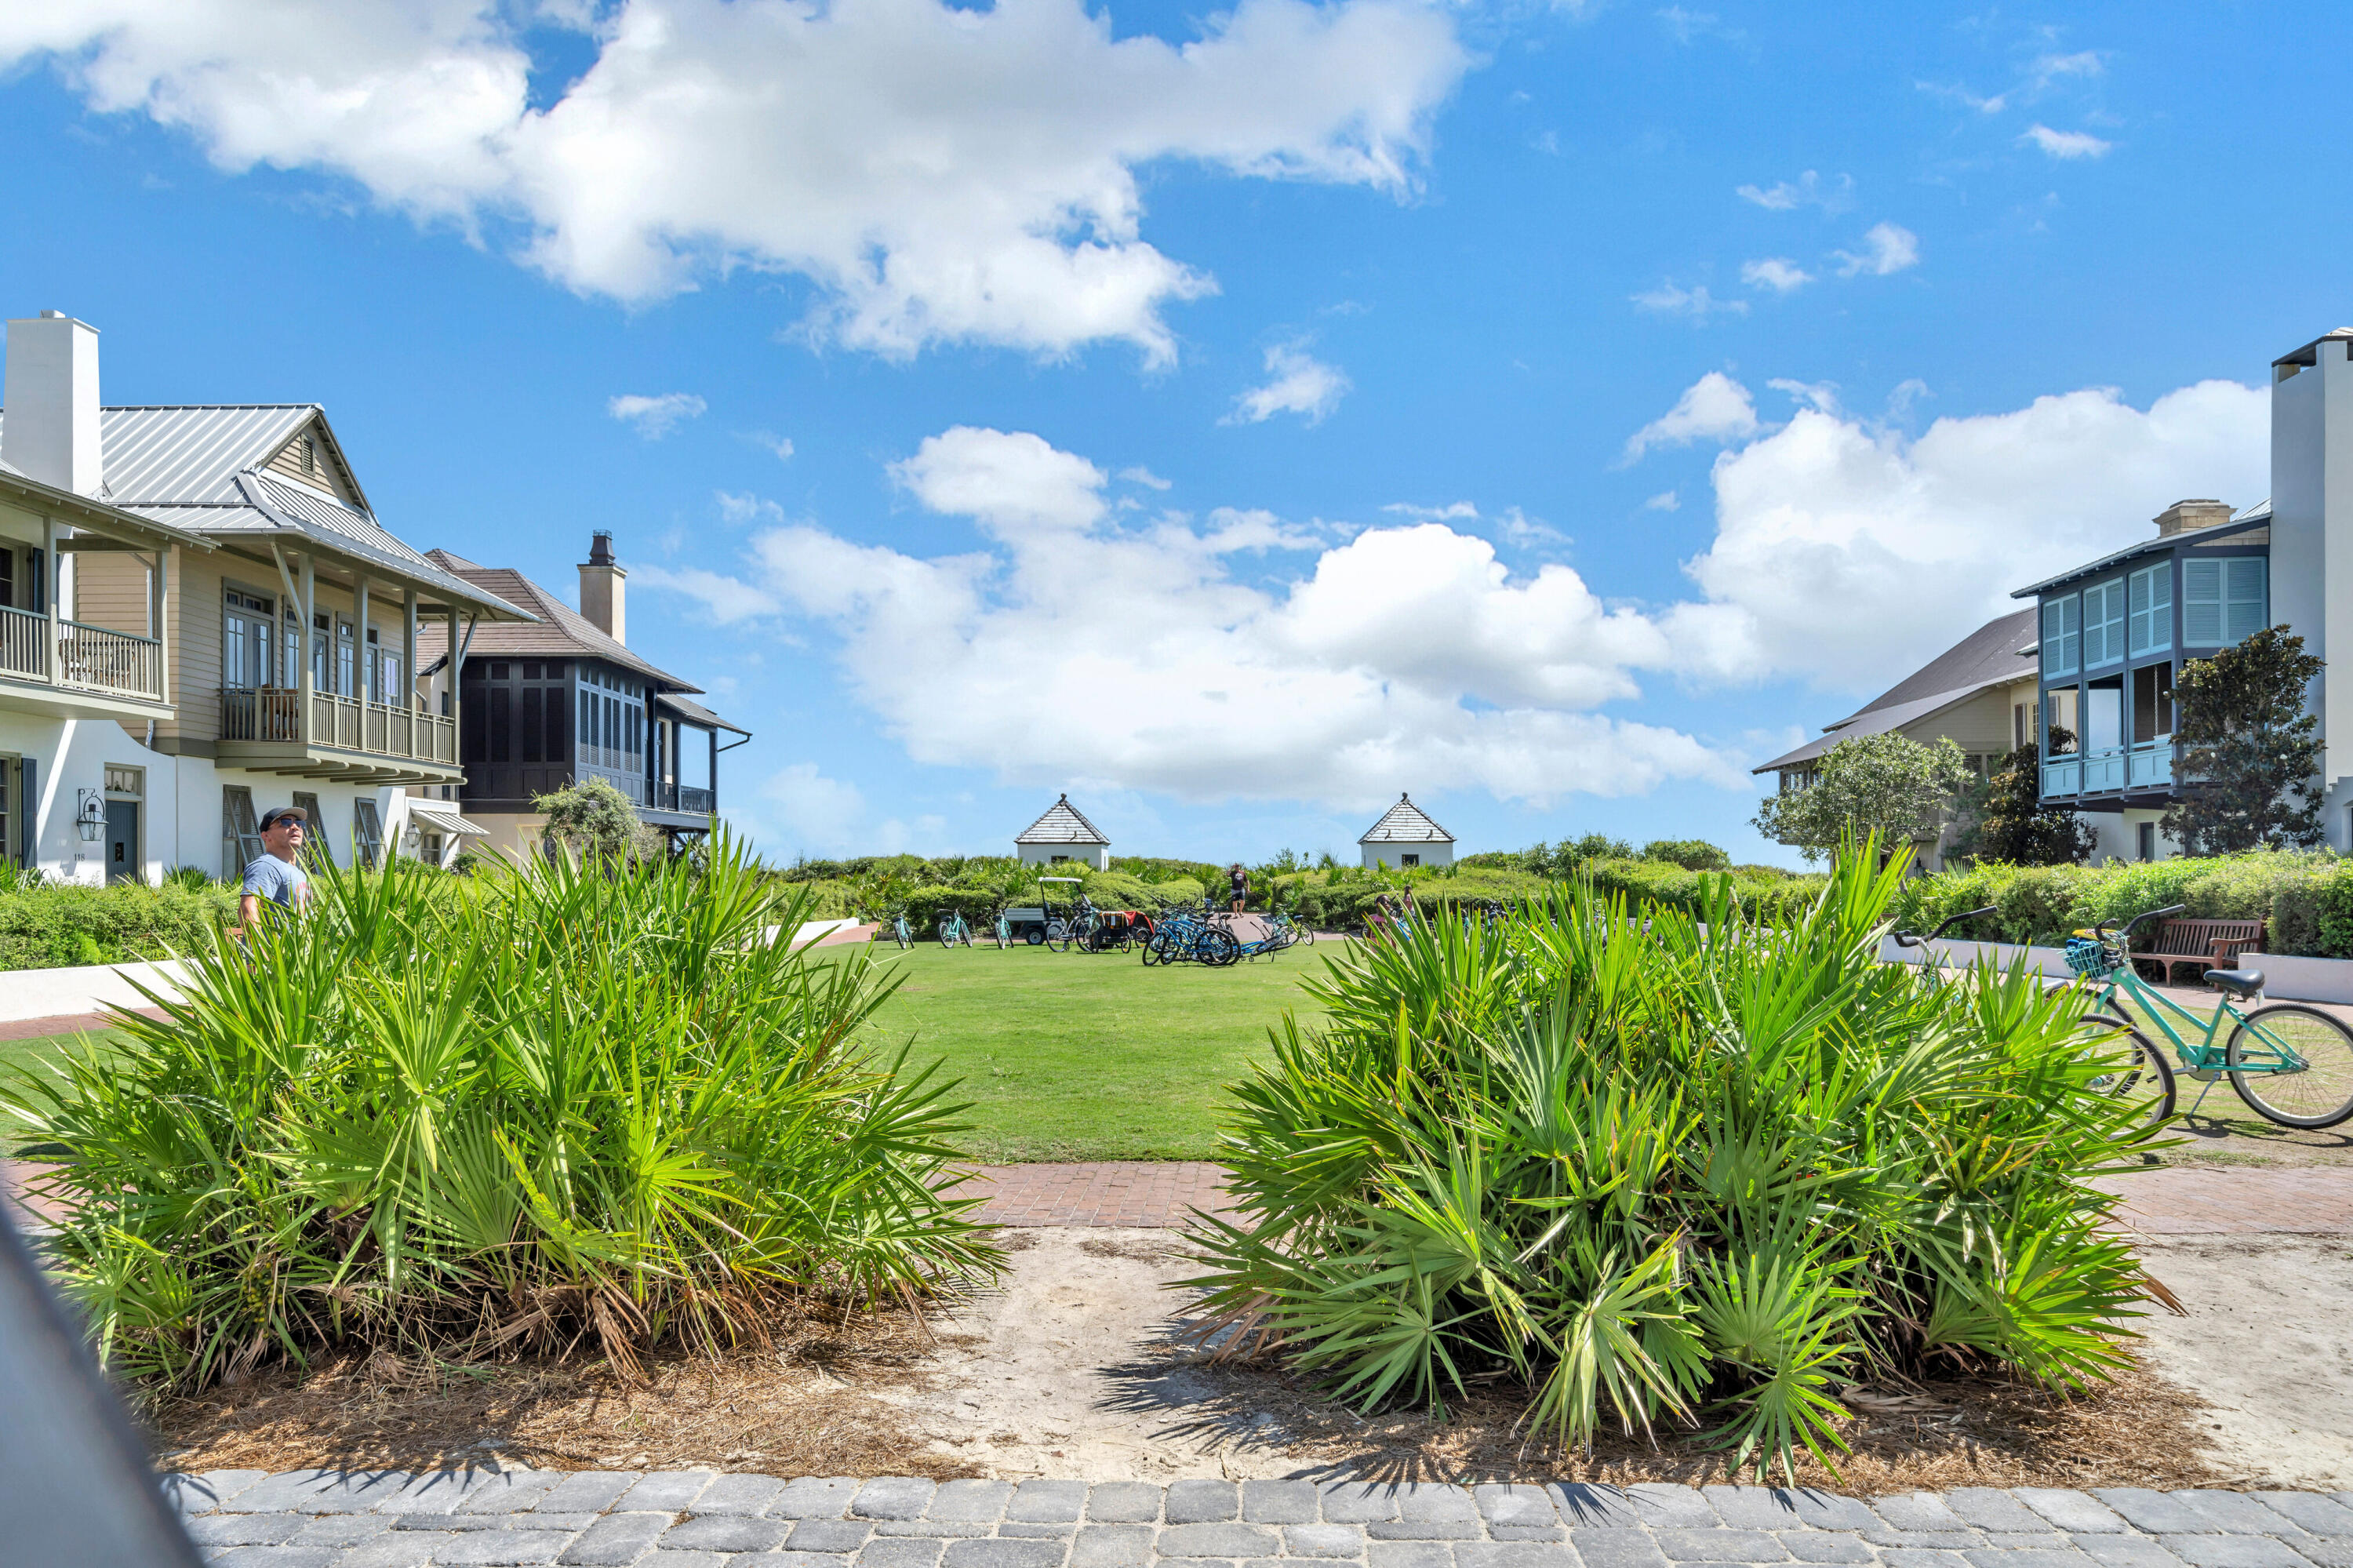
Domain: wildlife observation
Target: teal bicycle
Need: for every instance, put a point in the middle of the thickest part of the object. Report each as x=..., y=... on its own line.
x=900, y=932
x=2292, y=1064
x=953, y=929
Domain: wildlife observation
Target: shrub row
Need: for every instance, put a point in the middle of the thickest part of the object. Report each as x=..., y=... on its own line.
x=2306, y=895
x=50, y=926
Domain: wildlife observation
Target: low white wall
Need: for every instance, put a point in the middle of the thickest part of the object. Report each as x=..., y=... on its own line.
x=55, y=994
x=1953, y=955
x=2285, y=979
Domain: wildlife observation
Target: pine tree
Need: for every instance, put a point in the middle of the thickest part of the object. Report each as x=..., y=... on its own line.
x=2250, y=766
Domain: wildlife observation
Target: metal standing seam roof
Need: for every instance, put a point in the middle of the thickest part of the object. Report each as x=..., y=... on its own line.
x=696, y=713
x=446, y=818
x=1406, y=823
x=196, y=468
x=1063, y=823
x=2253, y=517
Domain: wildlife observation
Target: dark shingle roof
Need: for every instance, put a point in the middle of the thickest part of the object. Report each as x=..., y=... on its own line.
x=696, y=713
x=561, y=631
x=1990, y=656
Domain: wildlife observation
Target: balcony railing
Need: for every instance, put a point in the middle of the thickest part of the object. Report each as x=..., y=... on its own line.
x=2150, y=765
x=691, y=798
x=2103, y=770
x=86, y=658
x=274, y=714
x=2062, y=778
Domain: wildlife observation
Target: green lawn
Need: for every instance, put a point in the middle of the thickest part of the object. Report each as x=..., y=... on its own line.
x=19, y=1055
x=1089, y=1056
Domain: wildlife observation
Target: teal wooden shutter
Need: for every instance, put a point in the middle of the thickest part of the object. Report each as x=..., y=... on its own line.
x=2243, y=596
x=2149, y=611
x=2202, y=603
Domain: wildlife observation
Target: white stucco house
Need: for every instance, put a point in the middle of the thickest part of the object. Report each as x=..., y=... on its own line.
x=1405, y=836
x=1062, y=836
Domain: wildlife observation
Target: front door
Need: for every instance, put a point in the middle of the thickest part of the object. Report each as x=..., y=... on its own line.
x=122, y=841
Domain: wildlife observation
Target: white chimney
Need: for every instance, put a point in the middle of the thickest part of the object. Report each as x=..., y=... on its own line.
x=604, y=588
x=2311, y=540
x=48, y=409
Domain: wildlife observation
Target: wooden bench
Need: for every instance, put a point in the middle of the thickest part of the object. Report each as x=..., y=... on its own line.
x=2200, y=945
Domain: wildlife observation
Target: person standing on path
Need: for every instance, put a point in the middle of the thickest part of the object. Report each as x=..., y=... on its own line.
x=274, y=876
x=1240, y=880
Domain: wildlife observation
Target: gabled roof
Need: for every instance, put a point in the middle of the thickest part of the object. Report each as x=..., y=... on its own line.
x=1995, y=655
x=1062, y=825
x=558, y=632
x=199, y=468
x=1405, y=823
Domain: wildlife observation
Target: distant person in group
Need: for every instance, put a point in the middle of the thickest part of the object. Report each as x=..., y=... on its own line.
x=275, y=875
x=1240, y=879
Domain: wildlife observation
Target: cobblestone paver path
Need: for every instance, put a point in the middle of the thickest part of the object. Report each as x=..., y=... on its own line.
x=312, y=1519
x=1103, y=1192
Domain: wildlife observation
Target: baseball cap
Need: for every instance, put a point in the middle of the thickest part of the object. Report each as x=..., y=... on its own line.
x=282, y=814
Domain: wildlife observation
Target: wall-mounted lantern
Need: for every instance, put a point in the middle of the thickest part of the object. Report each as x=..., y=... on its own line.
x=90, y=816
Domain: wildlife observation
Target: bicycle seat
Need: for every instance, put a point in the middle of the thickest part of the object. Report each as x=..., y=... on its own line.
x=2240, y=983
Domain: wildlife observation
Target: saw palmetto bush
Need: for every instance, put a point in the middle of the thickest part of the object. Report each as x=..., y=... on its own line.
x=522, y=1111
x=1675, y=1172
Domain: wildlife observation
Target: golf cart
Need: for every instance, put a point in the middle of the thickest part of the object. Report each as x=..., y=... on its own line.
x=1039, y=922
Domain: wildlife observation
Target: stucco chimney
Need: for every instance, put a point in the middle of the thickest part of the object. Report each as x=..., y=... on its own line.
x=2183, y=515
x=604, y=588
x=50, y=402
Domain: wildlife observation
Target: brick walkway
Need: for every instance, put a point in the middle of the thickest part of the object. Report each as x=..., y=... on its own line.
x=696, y=1519
x=1104, y=1192
x=2183, y=1200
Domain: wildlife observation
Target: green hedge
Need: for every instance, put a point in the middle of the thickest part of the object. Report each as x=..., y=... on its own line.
x=2308, y=896
x=51, y=927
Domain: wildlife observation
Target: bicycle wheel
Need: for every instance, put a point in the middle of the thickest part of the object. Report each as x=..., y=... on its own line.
x=1058, y=936
x=1218, y=948
x=1149, y=950
x=1004, y=936
x=947, y=932
x=2316, y=1089
x=2147, y=1080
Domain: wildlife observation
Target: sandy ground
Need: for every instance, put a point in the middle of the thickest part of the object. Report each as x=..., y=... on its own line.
x=1072, y=1369
x=2267, y=1344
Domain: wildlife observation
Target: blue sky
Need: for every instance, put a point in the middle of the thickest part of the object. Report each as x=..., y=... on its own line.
x=1231, y=418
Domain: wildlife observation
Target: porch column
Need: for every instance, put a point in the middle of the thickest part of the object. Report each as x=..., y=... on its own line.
x=409, y=650
x=163, y=559
x=52, y=585
x=308, y=684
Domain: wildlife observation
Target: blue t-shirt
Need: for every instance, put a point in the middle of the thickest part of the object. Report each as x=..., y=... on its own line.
x=280, y=881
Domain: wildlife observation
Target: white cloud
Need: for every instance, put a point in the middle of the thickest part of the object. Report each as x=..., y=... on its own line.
x=1848, y=553
x=740, y=509
x=1808, y=190
x=1714, y=407
x=1143, y=476
x=1888, y=247
x=1664, y=502
x=802, y=812
x=940, y=172
x=769, y=442
x=1667, y=298
x=2066, y=143
x=656, y=417
x=1299, y=385
x=1824, y=394
x=1409, y=651
x=1446, y=514
x=2048, y=68
x=1774, y=272
x=728, y=599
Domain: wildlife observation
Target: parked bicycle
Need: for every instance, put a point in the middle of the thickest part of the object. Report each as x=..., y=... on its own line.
x=1004, y=931
x=953, y=929
x=1189, y=937
x=2291, y=1062
x=900, y=932
x=1927, y=962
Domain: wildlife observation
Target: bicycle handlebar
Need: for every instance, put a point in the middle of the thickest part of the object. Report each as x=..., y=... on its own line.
x=2135, y=922
x=1907, y=939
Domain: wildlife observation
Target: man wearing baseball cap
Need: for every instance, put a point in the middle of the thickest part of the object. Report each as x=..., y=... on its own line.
x=275, y=875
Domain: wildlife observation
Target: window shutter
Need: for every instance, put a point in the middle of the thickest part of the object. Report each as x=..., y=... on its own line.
x=2243, y=596
x=2070, y=643
x=2202, y=603
x=29, y=791
x=2053, y=631
x=2136, y=614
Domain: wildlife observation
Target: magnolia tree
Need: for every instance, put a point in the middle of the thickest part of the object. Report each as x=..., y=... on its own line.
x=2250, y=766
x=1874, y=784
x=2005, y=819
x=595, y=822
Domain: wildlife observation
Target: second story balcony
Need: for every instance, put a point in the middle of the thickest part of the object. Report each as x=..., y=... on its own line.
x=276, y=729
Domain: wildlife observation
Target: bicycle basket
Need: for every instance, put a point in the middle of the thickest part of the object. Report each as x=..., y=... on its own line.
x=2090, y=956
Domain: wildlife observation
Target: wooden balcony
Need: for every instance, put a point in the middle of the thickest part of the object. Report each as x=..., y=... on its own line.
x=271, y=730
x=67, y=666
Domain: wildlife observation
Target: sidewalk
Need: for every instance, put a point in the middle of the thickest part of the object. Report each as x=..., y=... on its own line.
x=700, y=1518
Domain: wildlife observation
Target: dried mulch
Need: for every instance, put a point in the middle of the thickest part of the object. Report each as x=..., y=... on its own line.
x=818, y=1402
